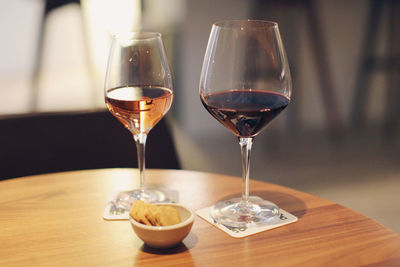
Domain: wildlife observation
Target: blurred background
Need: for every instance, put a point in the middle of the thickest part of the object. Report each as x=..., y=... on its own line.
x=338, y=139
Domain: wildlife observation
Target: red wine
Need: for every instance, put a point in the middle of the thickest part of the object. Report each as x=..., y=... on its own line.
x=139, y=108
x=244, y=112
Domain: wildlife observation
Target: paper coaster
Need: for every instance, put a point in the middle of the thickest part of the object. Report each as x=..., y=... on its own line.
x=114, y=211
x=251, y=228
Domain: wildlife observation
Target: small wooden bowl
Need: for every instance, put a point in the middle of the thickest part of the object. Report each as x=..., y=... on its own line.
x=165, y=236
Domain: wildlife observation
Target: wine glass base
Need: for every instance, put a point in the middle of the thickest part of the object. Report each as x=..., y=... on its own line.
x=238, y=213
x=125, y=199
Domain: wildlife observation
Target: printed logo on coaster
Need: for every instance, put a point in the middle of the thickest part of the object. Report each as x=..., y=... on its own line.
x=113, y=212
x=249, y=229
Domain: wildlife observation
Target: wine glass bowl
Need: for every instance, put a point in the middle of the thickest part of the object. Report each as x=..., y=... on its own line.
x=244, y=112
x=139, y=108
x=138, y=92
x=245, y=83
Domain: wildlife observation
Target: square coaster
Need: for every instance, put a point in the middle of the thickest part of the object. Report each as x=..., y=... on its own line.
x=251, y=228
x=112, y=211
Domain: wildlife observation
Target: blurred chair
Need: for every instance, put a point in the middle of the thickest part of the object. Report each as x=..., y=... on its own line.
x=383, y=15
x=53, y=142
x=49, y=7
x=287, y=12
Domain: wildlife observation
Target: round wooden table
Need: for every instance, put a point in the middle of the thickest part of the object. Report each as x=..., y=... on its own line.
x=56, y=219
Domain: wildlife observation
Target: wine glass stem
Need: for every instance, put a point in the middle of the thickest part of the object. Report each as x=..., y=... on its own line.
x=245, y=146
x=140, y=140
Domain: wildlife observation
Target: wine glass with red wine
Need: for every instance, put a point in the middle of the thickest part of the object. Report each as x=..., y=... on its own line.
x=138, y=92
x=245, y=83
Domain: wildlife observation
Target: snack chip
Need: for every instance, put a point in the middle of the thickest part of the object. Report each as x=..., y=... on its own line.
x=154, y=215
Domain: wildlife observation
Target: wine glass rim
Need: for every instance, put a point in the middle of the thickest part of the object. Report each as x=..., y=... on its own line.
x=235, y=23
x=136, y=35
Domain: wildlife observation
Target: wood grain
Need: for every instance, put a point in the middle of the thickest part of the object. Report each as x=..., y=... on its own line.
x=56, y=219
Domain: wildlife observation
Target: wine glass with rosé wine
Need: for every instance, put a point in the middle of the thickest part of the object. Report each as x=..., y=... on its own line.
x=245, y=83
x=138, y=92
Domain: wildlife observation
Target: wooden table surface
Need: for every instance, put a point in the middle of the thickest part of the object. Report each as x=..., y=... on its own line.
x=56, y=220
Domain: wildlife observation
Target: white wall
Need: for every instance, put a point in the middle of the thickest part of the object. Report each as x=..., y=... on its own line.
x=18, y=31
